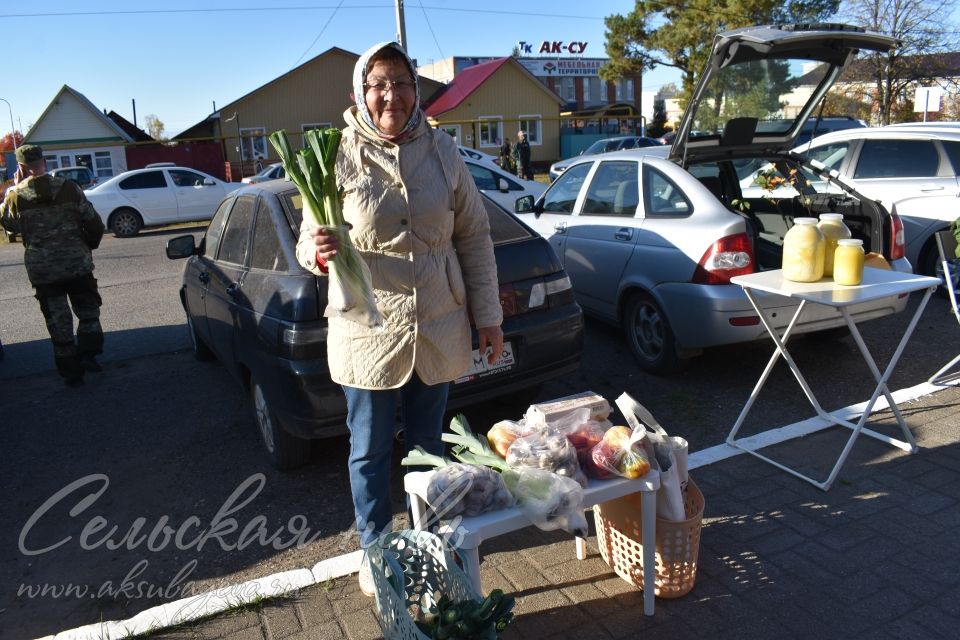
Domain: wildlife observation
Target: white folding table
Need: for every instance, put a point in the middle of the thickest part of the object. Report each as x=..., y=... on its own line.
x=877, y=284
x=466, y=533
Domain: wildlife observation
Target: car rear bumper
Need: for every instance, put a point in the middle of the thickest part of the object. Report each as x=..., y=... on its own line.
x=546, y=346
x=714, y=315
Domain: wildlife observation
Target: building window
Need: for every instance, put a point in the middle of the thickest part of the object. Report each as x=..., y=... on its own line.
x=586, y=90
x=104, y=164
x=568, y=91
x=310, y=127
x=253, y=143
x=52, y=162
x=491, y=131
x=629, y=96
x=531, y=124
x=453, y=130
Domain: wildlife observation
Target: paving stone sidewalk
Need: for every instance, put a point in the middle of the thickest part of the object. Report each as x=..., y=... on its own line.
x=874, y=557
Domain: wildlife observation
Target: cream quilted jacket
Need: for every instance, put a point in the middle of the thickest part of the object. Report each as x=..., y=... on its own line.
x=420, y=224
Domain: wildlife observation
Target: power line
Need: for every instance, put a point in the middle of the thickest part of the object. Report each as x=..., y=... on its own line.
x=72, y=14
x=430, y=26
x=325, y=25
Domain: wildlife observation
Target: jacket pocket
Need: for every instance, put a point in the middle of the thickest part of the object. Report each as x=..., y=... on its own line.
x=455, y=279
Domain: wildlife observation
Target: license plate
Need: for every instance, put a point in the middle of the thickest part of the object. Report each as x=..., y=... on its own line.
x=480, y=368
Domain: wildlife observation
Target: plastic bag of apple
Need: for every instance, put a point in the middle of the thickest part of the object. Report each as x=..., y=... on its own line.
x=572, y=437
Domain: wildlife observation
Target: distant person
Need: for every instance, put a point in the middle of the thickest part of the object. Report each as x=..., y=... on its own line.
x=59, y=228
x=506, y=156
x=521, y=155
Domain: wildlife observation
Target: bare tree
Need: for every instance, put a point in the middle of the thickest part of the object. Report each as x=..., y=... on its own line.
x=154, y=126
x=926, y=36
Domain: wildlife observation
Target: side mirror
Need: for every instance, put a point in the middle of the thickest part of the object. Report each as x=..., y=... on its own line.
x=207, y=182
x=503, y=185
x=524, y=204
x=181, y=247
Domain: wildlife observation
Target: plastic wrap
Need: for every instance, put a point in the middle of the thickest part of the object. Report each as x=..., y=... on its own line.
x=550, y=501
x=621, y=452
x=502, y=434
x=548, y=451
x=467, y=489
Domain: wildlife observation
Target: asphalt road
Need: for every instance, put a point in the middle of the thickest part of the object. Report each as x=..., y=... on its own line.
x=120, y=494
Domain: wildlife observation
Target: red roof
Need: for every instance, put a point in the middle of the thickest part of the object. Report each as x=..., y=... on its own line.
x=460, y=88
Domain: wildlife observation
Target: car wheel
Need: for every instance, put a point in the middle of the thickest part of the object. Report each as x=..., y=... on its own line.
x=125, y=223
x=284, y=450
x=201, y=351
x=930, y=265
x=649, y=335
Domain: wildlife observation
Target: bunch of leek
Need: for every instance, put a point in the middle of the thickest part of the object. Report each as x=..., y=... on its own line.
x=313, y=171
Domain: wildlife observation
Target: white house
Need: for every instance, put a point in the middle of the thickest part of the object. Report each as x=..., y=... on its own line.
x=73, y=132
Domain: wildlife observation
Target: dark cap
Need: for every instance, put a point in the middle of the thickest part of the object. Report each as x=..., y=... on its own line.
x=29, y=153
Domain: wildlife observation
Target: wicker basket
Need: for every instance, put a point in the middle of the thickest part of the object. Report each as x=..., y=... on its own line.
x=411, y=570
x=677, y=543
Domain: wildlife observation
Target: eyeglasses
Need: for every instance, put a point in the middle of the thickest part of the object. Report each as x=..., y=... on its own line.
x=382, y=86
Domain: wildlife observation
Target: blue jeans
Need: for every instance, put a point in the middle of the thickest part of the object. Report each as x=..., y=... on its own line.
x=371, y=418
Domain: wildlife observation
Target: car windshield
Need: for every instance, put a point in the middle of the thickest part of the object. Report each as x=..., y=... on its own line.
x=265, y=173
x=751, y=97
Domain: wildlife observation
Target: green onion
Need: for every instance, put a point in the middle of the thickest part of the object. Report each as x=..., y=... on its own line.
x=313, y=171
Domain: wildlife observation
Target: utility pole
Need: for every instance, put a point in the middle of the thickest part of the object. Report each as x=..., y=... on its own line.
x=401, y=26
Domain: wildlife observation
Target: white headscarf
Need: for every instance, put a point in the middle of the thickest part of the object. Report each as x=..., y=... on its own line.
x=359, y=90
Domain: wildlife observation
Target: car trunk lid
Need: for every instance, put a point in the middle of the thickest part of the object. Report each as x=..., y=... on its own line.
x=737, y=106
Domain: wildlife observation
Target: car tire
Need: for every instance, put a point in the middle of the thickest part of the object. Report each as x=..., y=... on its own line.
x=649, y=335
x=285, y=451
x=125, y=223
x=930, y=265
x=201, y=351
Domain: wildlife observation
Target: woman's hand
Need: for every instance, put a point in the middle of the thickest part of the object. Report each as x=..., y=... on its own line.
x=327, y=243
x=491, y=337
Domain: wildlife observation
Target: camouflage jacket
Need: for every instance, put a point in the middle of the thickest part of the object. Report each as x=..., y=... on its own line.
x=58, y=224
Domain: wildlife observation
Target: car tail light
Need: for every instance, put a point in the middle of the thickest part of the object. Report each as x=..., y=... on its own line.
x=535, y=295
x=303, y=340
x=897, y=244
x=727, y=257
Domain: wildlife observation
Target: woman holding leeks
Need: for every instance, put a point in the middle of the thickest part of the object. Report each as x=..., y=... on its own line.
x=418, y=221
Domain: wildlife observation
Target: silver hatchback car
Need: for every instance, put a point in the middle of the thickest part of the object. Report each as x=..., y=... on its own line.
x=651, y=242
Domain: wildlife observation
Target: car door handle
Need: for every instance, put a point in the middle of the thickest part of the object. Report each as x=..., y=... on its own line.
x=233, y=289
x=623, y=233
x=560, y=227
x=204, y=277
x=931, y=187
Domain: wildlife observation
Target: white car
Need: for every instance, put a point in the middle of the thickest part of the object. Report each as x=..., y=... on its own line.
x=651, y=243
x=502, y=187
x=273, y=171
x=478, y=156
x=911, y=169
x=161, y=193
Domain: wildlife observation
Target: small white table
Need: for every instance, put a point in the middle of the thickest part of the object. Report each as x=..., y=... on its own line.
x=466, y=533
x=877, y=284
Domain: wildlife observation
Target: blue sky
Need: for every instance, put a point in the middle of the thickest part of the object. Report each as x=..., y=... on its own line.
x=176, y=58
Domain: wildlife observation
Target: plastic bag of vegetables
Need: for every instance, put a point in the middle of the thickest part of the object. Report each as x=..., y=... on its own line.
x=502, y=434
x=458, y=488
x=550, y=501
x=621, y=452
x=549, y=451
x=467, y=489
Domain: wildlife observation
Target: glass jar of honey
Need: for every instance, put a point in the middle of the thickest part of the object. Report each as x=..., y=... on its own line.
x=803, y=251
x=832, y=227
x=848, y=262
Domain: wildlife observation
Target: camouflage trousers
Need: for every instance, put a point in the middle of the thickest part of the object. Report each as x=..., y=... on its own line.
x=56, y=300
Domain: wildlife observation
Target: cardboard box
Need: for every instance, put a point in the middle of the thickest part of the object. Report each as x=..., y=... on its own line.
x=553, y=409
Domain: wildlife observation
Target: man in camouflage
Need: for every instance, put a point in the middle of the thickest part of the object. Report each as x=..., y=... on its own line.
x=59, y=228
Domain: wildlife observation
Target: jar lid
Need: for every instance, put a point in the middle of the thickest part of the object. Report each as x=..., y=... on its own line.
x=804, y=221
x=831, y=216
x=850, y=242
